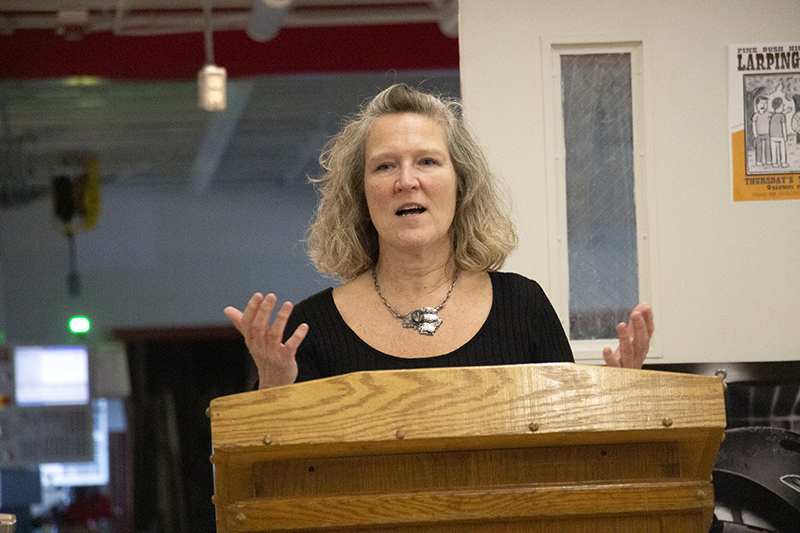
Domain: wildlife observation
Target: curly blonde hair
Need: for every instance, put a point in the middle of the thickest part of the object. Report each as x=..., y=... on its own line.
x=342, y=241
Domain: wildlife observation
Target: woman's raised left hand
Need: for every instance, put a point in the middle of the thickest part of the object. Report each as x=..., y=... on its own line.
x=634, y=339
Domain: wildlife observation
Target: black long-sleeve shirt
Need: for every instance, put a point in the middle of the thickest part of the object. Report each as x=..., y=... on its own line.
x=522, y=327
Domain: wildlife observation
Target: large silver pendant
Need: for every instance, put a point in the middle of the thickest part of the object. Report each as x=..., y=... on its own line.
x=426, y=320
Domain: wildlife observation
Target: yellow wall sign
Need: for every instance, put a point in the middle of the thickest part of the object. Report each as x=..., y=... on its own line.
x=764, y=119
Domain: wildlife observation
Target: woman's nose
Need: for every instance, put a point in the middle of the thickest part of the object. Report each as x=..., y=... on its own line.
x=407, y=178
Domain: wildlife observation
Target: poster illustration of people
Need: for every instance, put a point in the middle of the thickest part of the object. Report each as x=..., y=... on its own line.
x=764, y=120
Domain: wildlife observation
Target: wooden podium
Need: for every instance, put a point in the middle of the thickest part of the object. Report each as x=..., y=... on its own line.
x=544, y=448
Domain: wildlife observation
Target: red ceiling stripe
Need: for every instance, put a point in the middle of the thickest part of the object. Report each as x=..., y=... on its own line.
x=31, y=54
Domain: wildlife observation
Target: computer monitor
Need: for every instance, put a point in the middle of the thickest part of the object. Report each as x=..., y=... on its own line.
x=51, y=375
x=93, y=473
x=48, y=413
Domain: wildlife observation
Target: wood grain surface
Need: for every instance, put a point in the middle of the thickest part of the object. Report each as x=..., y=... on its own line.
x=525, y=448
x=467, y=505
x=371, y=407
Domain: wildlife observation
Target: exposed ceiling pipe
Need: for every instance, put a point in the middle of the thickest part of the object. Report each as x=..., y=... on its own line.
x=125, y=21
x=119, y=14
x=448, y=17
x=267, y=18
x=208, y=31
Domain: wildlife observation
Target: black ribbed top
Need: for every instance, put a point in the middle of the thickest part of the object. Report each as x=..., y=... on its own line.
x=522, y=327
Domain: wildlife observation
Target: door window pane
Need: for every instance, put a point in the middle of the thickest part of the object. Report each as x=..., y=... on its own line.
x=601, y=212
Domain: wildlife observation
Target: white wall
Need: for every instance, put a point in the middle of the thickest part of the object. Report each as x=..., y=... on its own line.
x=725, y=275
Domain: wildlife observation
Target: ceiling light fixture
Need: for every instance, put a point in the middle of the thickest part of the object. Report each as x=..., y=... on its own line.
x=211, y=80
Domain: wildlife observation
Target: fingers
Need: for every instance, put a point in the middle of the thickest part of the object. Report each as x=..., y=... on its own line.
x=249, y=315
x=625, y=351
x=297, y=337
x=634, y=339
x=275, y=360
x=253, y=323
x=262, y=312
x=647, y=313
x=640, y=337
x=276, y=331
x=235, y=316
x=643, y=328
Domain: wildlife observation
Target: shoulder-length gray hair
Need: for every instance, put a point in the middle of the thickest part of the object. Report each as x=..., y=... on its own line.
x=342, y=241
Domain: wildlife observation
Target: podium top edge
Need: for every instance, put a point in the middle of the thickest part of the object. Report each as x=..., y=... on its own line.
x=524, y=371
x=468, y=402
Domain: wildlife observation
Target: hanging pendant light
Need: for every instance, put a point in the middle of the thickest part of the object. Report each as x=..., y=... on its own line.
x=211, y=80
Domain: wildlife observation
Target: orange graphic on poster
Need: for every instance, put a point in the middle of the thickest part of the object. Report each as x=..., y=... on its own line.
x=747, y=188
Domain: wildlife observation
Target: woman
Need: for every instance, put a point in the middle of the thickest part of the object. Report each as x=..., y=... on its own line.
x=410, y=220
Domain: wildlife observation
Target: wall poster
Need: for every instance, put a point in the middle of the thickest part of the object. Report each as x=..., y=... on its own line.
x=764, y=120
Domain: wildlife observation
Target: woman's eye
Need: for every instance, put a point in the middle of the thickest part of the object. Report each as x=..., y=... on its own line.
x=382, y=166
x=428, y=161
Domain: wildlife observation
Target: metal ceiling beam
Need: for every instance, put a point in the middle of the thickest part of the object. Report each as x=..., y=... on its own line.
x=172, y=18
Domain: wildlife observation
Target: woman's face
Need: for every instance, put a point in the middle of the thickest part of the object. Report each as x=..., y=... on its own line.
x=409, y=182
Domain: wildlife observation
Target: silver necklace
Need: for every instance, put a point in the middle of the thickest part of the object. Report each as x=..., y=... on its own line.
x=425, y=320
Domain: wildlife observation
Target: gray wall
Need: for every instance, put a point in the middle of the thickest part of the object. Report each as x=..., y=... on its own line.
x=163, y=256
x=156, y=258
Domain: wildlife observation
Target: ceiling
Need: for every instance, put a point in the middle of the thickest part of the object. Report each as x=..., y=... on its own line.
x=152, y=17
x=120, y=84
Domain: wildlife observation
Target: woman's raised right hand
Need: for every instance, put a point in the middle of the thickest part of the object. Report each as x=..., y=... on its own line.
x=274, y=359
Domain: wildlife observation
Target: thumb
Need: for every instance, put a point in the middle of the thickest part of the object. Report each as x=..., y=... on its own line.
x=608, y=355
x=235, y=316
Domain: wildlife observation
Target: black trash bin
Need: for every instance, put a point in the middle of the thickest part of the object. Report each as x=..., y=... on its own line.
x=757, y=481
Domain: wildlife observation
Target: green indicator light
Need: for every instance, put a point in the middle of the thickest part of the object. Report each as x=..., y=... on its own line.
x=79, y=324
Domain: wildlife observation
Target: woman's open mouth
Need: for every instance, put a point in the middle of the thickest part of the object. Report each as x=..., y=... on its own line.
x=410, y=210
